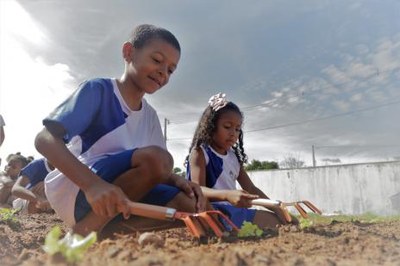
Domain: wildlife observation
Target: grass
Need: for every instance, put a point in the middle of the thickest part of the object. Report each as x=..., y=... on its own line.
x=315, y=219
x=7, y=216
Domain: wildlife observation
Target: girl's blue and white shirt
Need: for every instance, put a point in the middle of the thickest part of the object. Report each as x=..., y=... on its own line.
x=36, y=171
x=98, y=123
x=222, y=171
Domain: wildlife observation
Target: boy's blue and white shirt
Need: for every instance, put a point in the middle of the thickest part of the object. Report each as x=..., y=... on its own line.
x=222, y=171
x=98, y=123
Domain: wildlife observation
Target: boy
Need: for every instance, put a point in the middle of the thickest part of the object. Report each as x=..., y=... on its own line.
x=121, y=154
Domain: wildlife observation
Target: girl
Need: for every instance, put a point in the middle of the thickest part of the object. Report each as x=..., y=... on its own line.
x=215, y=162
x=15, y=162
x=29, y=187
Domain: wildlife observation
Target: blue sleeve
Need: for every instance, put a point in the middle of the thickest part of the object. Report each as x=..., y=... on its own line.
x=77, y=112
x=35, y=171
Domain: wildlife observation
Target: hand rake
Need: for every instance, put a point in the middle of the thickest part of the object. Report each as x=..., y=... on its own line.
x=201, y=224
x=277, y=205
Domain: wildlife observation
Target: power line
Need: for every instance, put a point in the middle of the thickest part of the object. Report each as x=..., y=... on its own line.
x=324, y=118
x=288, y=97
x=356, y=146
x=308, y=120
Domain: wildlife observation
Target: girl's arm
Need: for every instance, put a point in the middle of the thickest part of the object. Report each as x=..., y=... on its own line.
x=106, y=199
x=198, y=175
x=18, y=190
x=246, y=183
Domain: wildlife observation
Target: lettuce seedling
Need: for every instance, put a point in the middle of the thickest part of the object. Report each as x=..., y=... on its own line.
x=249, y=229
x=72, y=246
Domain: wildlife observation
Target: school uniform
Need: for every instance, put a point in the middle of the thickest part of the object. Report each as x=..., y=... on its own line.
x=103, y=132
x=222, y=172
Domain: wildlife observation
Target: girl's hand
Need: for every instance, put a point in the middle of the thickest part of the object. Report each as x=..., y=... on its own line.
x=42, y=204
x=240, y=198
x=107, y=199
x=191, y=189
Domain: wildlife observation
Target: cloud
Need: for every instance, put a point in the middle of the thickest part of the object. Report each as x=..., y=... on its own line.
x=286, y=65
x=27, y=82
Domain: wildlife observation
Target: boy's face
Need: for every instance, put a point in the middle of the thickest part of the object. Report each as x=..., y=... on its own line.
x=227, y=131
x=152, y=65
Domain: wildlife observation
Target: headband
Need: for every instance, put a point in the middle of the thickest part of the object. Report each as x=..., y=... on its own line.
x=217, y=101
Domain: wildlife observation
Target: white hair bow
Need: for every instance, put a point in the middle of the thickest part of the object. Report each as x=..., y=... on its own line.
x=217, y=101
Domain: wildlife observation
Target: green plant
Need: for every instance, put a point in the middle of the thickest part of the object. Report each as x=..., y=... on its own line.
x=8, y=215
x=249, y=229
x=315, y=219
x=72, y=247
x=305, y=223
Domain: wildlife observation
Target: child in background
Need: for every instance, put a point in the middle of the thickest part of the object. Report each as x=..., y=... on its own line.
x=2, y=135
x=11, y=172
x=215, y=162
x=29, y=187
x=122, y=154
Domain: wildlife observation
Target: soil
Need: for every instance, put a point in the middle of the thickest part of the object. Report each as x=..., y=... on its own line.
x=348, y=243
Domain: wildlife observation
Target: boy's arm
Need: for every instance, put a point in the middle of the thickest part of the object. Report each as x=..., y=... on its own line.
x=18, y=190
x=106, y=199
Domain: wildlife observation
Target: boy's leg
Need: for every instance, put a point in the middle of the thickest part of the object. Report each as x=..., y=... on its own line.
x=149, y=166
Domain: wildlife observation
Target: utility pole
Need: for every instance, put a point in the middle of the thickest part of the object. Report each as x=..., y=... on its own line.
x=166, y=122
x=313, y=156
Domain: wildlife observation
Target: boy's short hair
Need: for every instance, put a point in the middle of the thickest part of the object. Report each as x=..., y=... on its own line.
x=146, y=32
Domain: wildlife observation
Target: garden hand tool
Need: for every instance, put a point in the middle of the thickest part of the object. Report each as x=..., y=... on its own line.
x=201, y=224
x=282, y=207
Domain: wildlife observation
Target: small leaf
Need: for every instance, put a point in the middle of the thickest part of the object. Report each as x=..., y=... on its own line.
x=72, y=246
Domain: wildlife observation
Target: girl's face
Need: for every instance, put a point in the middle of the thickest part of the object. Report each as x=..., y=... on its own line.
x=227, y=131
x=152, y=65
x=13, y=168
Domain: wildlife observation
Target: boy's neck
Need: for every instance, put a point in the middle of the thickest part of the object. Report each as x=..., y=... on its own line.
x=132, y=97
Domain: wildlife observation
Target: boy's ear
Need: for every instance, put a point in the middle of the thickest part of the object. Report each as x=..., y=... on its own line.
x=127, y=51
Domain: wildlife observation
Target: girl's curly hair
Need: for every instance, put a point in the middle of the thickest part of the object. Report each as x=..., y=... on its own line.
x=207, y=126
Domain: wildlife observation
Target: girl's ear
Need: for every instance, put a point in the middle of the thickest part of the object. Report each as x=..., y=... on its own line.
x=127, y=51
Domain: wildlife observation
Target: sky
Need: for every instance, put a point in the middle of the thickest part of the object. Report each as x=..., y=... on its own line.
x=305, y=73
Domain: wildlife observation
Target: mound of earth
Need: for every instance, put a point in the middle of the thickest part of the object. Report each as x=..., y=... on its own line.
x=349, y=243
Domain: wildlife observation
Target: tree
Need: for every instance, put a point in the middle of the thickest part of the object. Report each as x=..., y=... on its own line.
x=258, y=165
x=291, y=162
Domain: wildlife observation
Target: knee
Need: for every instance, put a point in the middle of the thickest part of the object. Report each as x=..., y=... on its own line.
x=182, y=202
x=156, y=161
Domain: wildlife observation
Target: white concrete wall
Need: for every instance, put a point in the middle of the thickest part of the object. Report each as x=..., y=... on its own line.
x=347, y=189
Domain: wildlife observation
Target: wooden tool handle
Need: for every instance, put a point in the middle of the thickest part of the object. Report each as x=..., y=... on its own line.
x=265, y=202
x=275, y=206
x=152, y=211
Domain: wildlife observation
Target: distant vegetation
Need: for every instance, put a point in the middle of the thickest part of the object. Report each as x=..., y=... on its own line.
x=315, y=219
x=258, y=165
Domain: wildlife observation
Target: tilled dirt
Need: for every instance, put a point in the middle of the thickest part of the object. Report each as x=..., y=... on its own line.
x=349, y=243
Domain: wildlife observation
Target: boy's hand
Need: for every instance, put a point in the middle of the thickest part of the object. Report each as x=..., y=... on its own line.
x=107, y=199
x=240, y=198
x=191, y=189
